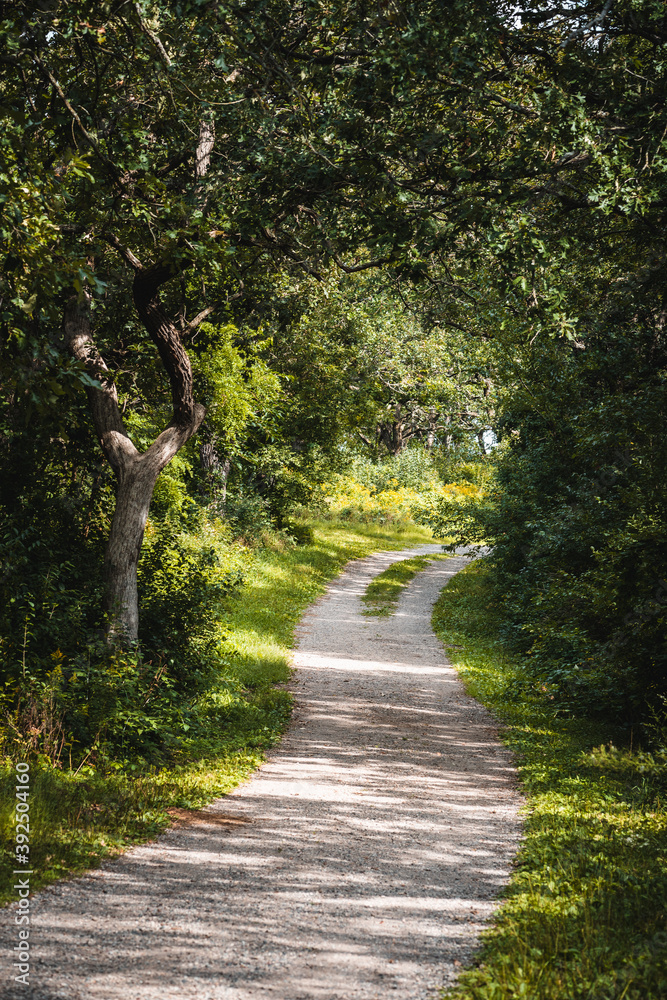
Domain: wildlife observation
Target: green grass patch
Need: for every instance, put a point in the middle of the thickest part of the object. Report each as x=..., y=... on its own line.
x=77, y=819
x=384, y=591
x=585, y=915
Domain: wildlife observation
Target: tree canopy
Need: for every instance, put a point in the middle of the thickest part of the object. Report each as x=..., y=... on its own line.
x=300, y=231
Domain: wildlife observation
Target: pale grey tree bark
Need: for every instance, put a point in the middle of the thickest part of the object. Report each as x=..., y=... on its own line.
x=136, y=472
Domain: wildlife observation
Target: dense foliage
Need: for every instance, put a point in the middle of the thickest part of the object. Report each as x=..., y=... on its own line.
x=579, y=521
x=370, y=229
x=577, y=515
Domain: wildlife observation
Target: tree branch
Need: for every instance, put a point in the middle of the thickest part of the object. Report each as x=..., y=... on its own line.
x=126, y=254
x=84, y=131
x=113, y=437
x=204, y=149
x=594, y=23
x=191, y=325
x=187, y=415
x=155, y=39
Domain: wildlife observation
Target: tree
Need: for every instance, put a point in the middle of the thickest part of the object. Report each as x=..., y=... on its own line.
x=171, y=150
x=163, y=141
x=137, y=473
x=78, y=80
x=579, y=512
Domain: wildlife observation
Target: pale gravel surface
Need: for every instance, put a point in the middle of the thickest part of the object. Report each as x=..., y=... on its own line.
x=359, y=863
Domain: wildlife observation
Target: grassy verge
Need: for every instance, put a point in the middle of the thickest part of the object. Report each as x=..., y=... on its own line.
x=383, y=592
x=77, y=819
x=585, y=916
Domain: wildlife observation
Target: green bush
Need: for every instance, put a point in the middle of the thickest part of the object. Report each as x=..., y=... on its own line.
x=413, y=468
x=182, y=582
x=248, y=514
x=577, y=516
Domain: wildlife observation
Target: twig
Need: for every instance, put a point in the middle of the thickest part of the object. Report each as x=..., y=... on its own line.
x=84, y=131
x=596, y=22
x=151, y=35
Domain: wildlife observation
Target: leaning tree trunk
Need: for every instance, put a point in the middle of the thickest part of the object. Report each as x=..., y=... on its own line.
x=121, y=599
x=136, y=473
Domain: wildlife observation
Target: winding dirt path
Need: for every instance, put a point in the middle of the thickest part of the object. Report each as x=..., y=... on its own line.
x=360, y=862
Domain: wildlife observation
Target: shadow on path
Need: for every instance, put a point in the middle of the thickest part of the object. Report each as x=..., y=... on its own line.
x=360, y=862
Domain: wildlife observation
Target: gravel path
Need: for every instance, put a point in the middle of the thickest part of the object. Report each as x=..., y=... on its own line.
x=360, y=862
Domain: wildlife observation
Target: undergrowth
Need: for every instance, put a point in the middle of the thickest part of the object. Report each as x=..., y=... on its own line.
x=383, y=592
x=585, y=914
x=82, y=814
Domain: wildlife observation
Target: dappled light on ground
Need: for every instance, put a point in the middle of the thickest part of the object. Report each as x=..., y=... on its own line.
x=359, y=863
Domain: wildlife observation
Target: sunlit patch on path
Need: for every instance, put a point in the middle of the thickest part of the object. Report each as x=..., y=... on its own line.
x=360, y=862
